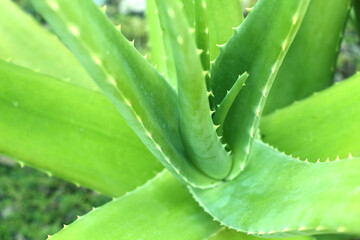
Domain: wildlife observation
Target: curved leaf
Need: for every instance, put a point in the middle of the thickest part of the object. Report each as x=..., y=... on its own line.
x=28, y=44
x=310, y=62
x=323, y=126
x=278, y=196
x=258, y=47
x=161, y=209
x=75, y=134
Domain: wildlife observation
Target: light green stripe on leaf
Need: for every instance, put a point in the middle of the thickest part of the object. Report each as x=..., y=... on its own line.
x=70, y=132
x=279, y=196
x=28, y=44
x=258, y=47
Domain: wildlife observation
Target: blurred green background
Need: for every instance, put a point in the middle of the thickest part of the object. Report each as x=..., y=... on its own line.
x=33, y=205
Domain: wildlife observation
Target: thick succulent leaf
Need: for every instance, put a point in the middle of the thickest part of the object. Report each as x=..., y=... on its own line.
x=356, y=15
x=201, y=140
x=70, y=132
x=140, y=93
x=159, y=55
x=227, y=234
x=28, y=44
x=323, y=126
x=335, y=237
x=202, y=34
x=161, y=209
x=223, y=16
x=302, y=199
x=157, y=48
x=165, y=203
x=310, y=62
x=258, y=47
x=189, y=10
x=224, y=107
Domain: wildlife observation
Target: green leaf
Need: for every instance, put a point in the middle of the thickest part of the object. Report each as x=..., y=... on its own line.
x=258, y=47
x=201, y=140
x=279, y=196
x=28, y=44
x=310, y=62
x=140, y=93
x=323, y=126
x=159, y=55
x=202, y=34
x=161, y=209
x=223, y=16
x=224, y=106
x=356, y=15
x=157, y=49
x=227, y=234
x=189, y=10
x=334, y=237
x=70, y=132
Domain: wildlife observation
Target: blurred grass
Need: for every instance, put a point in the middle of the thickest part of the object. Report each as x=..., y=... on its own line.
x=348, y=61
x=33, y=205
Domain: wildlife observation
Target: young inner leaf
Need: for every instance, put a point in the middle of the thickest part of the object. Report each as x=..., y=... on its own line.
x=258, y=47
x=224, y=107
x=197, y=130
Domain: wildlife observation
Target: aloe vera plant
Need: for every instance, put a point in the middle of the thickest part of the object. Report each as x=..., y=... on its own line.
x=178, y=138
